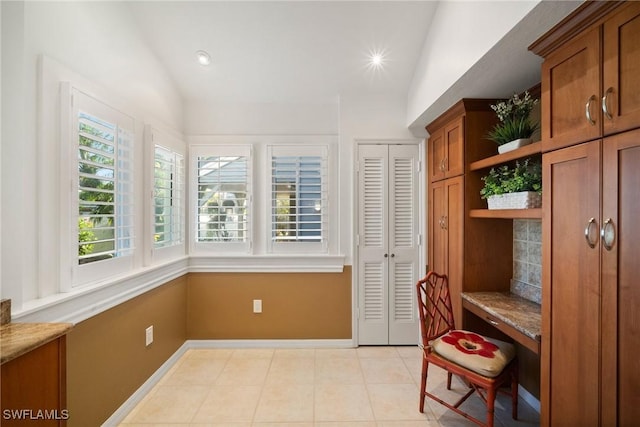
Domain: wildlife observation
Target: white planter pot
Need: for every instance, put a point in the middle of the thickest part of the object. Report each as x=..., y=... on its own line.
x=521, y=200
x=514, y=144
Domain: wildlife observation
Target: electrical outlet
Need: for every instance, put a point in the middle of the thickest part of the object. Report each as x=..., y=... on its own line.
x=149, y=336
x=257, y=306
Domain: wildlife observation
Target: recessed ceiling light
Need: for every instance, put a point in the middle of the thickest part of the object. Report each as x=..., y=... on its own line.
x=376, y=59
x=203, y=57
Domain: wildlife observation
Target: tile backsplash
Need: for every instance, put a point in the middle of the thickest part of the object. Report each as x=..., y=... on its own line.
x=527, y=259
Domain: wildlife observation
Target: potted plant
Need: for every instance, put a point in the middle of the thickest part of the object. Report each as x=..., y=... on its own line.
x=515, y=127
x=518, y=187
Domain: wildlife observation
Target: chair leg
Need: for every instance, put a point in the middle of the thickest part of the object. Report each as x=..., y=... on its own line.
x=423, y=382
x=449, y=380
x=491, y=403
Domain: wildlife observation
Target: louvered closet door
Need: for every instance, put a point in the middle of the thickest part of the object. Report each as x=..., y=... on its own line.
x=388, y=244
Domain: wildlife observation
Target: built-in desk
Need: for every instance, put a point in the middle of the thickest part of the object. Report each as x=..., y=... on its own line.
x=513, y=315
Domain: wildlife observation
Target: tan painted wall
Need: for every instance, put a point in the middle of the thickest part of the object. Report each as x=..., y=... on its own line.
x=107, y=360
x=295, y=305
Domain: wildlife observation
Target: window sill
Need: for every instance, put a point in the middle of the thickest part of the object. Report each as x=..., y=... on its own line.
x=267, y=263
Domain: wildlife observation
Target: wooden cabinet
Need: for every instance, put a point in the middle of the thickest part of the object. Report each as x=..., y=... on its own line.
x=621, y=68
x=619, y=247
x=457, y=241
x=591, y=235
x=571, y=291
x=589, y=82
x=446, y=151
x=590, y=286
x=446, y=231
x=34, y=387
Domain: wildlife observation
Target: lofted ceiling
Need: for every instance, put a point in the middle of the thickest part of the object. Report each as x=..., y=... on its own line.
x=294, y=51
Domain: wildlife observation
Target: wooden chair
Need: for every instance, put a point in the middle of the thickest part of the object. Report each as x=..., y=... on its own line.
x=484, y=364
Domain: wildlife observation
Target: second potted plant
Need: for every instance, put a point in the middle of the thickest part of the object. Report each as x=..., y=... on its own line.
x=518, y=187
x=515, y=127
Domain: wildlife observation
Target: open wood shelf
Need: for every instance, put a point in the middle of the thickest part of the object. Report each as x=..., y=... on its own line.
x=518, y=153
x=506, y=213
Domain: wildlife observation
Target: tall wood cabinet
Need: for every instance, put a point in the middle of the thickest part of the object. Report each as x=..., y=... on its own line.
x=457, y=242
x=591, y=200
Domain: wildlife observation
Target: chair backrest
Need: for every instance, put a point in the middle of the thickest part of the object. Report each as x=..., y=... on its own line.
x=434, y=306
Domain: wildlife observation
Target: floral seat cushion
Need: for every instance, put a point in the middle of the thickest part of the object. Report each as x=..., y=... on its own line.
x=483, y=355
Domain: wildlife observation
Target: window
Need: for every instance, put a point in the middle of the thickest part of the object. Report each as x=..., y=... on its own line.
x=222, y=214
x=101, y=201
x=298, y=195
x=168, y=182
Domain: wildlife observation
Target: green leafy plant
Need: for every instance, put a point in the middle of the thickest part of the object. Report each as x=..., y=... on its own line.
x=515, y=122
x=525, y=176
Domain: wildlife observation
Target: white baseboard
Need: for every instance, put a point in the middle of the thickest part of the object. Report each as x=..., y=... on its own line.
x=120, y=414
x=529, y=398
x=347, y=343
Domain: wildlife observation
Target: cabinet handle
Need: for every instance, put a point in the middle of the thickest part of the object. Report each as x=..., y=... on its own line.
x=445, y=161
x=393, y=255
x=442, y=165
x=441, y=222
x=444, y=222
x=608, y=234
x=587, y=233
x=386, y=255
x=605, y=107
x=493, y=322
x=587, y=110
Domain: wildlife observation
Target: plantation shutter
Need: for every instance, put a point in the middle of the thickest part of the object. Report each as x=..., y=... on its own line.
x=168, y=197
x=299, y=195
x=105, y=189
x=222, y=197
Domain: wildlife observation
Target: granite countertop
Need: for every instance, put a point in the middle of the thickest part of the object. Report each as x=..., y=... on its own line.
x=522, y=314
x=17, y=339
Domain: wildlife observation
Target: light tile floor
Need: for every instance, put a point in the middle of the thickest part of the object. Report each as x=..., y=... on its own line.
x=363, y=387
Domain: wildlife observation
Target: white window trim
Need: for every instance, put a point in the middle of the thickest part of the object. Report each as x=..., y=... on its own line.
x=213, y=248
x=173, y=142
x=73, y=275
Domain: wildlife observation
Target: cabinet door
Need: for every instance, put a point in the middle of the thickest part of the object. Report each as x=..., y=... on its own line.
x=571, y=93
x=621, y=100
x=454, y=146
x=446, y=216
x=454, y=228
x=436, y=154
x=437, y=234
x=620, y=284
x=571, y=287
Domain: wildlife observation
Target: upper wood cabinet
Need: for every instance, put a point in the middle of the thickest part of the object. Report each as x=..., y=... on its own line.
x=446, y=151
x=621, y=89
x=589, y=76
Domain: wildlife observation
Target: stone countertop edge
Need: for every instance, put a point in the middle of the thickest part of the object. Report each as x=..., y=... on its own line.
x=17, y=339
x=518, y=312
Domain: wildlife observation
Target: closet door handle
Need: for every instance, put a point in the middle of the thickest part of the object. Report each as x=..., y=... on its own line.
x=442, y=165
x=444, y=222
x=587, y=232
x=608, y=234
x=587, y=109
x=605, y=107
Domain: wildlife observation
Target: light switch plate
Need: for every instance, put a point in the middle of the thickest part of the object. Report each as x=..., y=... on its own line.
x=257, y=306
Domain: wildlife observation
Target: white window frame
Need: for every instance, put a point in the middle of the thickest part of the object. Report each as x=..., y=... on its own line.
x=174, y=145
x=222, y=247
x=299, y=246
x=74, y=100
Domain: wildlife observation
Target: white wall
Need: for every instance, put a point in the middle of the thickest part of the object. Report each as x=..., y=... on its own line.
x=98, y=41
x=461, y=32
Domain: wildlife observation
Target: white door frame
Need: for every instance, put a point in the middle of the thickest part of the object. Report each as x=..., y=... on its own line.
x=422, y=221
